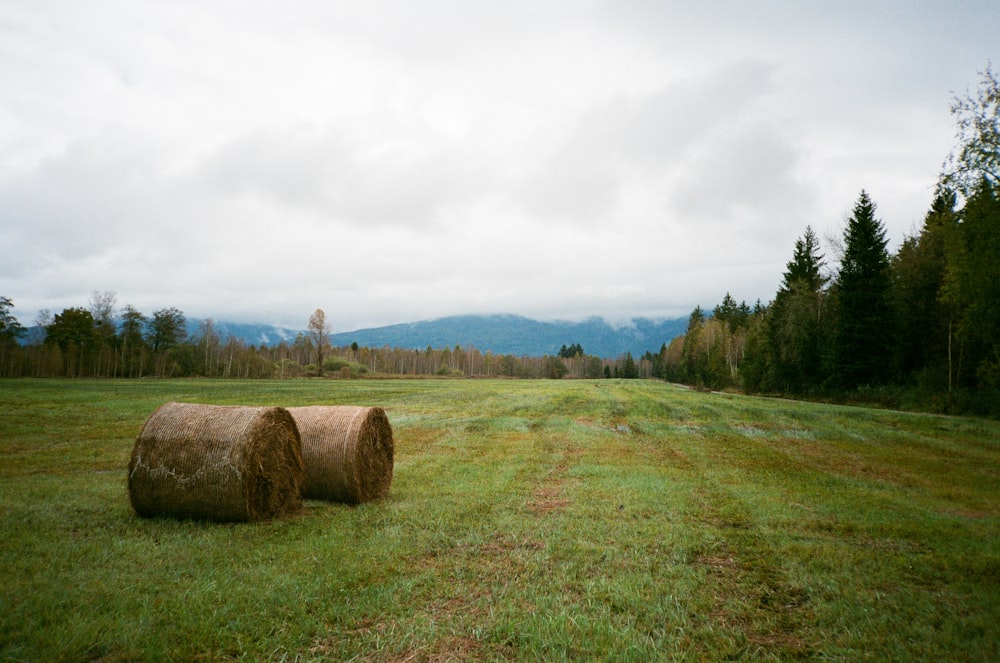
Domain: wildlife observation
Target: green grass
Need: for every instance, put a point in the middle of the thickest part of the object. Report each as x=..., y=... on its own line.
x=528, y=520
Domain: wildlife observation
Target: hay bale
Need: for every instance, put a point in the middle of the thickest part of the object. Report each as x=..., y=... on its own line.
x=347, y=452
x=217, y=462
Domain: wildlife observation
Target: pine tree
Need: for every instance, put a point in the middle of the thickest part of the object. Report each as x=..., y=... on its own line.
x=972, y=286
x=864, y=331
x=629, y=370
x=796, y=320
x=807, y=262
x=731, y=313
x=692, y=364
x=924, y=317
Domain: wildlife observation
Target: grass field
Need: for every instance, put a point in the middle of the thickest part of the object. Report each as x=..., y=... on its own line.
x=528, y=520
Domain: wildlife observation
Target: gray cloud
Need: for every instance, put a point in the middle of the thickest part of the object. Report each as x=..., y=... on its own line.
x=406, y=181
x=650, y=137
x=390, y=161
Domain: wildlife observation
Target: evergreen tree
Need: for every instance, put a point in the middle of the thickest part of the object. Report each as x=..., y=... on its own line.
x=731, y=313
x=923, y=315
x=807, y=263
x=756, y=368
x=555, y=369
x=629, y=370
x=972, y=286
x=796, y=320
x=660, y=363
x=574, y=350
x=691, y=370
x=864, y=330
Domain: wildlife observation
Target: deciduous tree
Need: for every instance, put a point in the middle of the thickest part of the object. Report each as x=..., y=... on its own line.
x=133, y=345
x=319, y=333
x=976, y=157
x=72, y=327
x=10, y=328
x=73, y=331
x=10, y=331
x=166, y=329
x=102, y=307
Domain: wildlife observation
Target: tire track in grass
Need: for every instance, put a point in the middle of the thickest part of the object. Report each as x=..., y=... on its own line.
x=548, y=496
x=751, y=598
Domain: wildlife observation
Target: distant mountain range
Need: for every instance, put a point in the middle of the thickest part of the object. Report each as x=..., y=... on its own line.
x=248, y=332
x=499, y=334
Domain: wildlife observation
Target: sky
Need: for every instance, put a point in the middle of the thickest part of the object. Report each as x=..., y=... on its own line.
x=392, y=161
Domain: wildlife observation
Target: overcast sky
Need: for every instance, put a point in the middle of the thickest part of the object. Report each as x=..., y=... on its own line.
x=392, y=161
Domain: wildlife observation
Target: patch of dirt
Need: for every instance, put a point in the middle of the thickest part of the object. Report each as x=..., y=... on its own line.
x=506, y=544
x=719, y=562
x=547, y=497
x=787, y=643
x=540, y=508
x=969, y=514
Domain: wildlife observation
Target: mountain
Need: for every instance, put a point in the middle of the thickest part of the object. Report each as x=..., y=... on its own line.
x=499, y=334
x=519, y=336
x=248, y=332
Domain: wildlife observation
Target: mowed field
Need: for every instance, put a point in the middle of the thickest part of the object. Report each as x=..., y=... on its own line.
x=527, y=520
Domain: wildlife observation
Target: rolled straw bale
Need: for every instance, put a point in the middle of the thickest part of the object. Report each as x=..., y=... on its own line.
x=347, y=452
x=216, y=462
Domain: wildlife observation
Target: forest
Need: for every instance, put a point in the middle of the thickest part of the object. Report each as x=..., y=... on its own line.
x=919, y=328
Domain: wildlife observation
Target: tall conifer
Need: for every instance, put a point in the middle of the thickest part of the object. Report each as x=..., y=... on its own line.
x=864, y=330
x=973, y=286
x=794, y=325
x=925, y=318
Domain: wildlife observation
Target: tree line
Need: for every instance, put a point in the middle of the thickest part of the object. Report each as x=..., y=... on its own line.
x=919, y=327
x=100, y=341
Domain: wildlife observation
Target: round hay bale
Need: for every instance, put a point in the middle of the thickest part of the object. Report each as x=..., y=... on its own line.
x=347, y=452
x=217, y=462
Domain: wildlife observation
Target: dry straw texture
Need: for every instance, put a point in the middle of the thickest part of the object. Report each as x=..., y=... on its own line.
x=347, y=452
x=217, y=463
